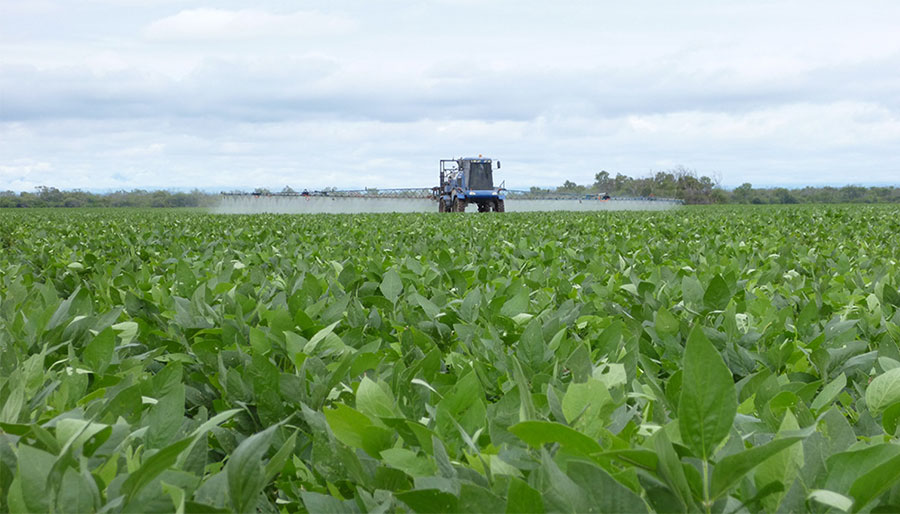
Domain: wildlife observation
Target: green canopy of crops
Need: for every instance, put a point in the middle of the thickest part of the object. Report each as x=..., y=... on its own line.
x=706, y=359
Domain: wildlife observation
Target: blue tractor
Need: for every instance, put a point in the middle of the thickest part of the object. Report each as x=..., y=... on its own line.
x=466, y=181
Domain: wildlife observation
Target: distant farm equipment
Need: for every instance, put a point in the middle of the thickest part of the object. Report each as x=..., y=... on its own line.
x=462, y=182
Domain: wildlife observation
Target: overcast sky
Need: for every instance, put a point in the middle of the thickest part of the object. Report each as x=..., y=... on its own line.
x=113, y=94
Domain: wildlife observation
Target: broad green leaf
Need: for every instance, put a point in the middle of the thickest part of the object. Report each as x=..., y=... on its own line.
x=68, y=428
x=732, y=468
x=587, y=407
x=890, y=419
x=245, y=471
x=77, y=493
x=323, y=503
x=606, y=494
x=538, y=433
x=408, y=461
x=563, y=493
x=152, y=467
x=717, y=294
x=391, y=285
x=347, y=424
x=12, y=407
x=845, y=467
x=883, y=390
x=473, y=498
x=429, y=501
x=375, y=400
x=782, y=466
x=522, y=499
x=671, y=470
x=666, y=323
x=165, y=418
x=829, y=392
x=33, y=468
x=708, y=400
x=831, y=499
x=98, y=353
x=875, y=482
x=277, y=462
x=531, y=349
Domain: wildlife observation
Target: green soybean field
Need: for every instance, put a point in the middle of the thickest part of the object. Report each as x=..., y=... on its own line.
x=706, y=359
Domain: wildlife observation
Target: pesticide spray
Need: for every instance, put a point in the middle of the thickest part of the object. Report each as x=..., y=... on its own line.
x=296, y=204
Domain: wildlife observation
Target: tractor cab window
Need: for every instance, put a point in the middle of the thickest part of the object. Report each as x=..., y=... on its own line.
x=480, y=176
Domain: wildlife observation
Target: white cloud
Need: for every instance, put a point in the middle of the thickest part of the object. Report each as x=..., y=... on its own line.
x=150, y=93
x=216, y=24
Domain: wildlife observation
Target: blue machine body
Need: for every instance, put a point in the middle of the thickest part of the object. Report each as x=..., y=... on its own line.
x=469, y=180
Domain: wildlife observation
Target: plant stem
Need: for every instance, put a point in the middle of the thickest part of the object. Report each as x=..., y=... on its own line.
x=706, y=503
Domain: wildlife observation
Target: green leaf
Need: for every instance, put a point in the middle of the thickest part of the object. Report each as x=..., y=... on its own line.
x=883, y=391
x=605, y=492
x=671, y=470
x=587, y=406
x=538, y=433
x=515, y=305
x=829, y=392
x=427, y=501
x=322, y=503
x=347, y=424
x=717, y=294
x=666, y=323
x=473, y=498
x=875, y=482
x=391, y=285
x=98, y=353
x=830, y=499
x=732, y=468
x=708, y=400
x=891, y=418
x=277, y=462
x=409, y=462
x=77, y=493
x=246, y=475
x=782, y=466
x=152, y=467
x=531, y=349
x=522, y=499
x=845, y=467
x=34, y=466
x=563, y=494
x=375, y=400
x=165, y=418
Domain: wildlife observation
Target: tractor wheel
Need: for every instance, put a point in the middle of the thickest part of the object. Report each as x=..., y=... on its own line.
x=441, y=206
x=499, y=207
x=460, y=206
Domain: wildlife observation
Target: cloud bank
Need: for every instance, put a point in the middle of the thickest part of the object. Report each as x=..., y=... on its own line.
x=123, y=94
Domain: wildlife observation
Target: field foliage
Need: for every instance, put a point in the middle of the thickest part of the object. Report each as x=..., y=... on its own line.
x=718, y=360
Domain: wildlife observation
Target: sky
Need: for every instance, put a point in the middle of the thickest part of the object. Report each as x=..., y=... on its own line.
x=123, y=94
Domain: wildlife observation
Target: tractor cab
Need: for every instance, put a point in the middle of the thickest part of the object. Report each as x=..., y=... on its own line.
x=468, y=180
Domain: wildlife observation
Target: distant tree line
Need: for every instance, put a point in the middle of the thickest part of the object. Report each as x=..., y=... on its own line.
x=687, y=185
x=52, y=197
x=680, y=182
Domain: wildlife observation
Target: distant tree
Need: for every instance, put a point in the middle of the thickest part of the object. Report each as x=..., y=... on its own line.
x=571, y=187
x=741, y=194
x=602, y=182
x=782, y=195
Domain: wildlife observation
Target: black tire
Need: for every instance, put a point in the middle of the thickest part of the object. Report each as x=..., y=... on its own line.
x=460, y=205
x=499, y=207
x=441, y=206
